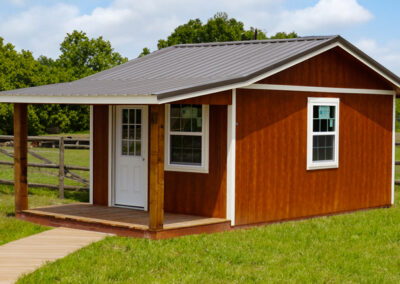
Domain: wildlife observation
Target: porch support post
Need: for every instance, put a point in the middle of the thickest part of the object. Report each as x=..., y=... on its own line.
x=156, y=176
x=20, y=157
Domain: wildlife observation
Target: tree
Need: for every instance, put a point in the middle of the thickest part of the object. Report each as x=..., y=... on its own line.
x=218, y=28
x=81, y=56
x=145, y=51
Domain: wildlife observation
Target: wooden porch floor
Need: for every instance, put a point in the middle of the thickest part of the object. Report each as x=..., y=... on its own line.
x=121, y=221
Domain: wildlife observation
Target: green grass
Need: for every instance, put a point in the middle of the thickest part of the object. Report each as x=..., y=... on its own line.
x=12, y=228
x=76, y=157
x=349, y=248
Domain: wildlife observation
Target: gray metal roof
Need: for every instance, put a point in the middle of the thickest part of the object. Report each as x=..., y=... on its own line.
x=187, y=68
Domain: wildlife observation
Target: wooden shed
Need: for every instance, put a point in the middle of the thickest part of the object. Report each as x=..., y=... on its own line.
x=206, y=137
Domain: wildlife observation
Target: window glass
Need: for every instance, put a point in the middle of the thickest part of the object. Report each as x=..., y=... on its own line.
x=186, y=149
x=186, y=118
x=186, y=134
x=131, y=132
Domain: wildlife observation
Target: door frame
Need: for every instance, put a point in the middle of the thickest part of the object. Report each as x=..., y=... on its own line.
x=112, y=153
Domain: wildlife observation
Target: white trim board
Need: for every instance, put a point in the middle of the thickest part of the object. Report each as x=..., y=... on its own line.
x=91, y=156
x=231, y=161
x=296, y=88
x=116, y=100
x=393, y=147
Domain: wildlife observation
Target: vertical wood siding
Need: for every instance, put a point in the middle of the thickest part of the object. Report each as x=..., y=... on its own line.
x=100, y=155
x=334, y=68
x=197, y=193
x=272, y=182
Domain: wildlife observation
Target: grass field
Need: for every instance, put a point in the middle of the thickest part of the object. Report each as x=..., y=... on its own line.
x=76, y=157
x=361, y=247
x=13, y=229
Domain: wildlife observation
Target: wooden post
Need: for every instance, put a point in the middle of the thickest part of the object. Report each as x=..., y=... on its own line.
x=21, y=157
x=156, y=180
x=61, y=169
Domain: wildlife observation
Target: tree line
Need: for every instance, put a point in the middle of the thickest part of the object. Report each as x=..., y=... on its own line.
x=81, y=56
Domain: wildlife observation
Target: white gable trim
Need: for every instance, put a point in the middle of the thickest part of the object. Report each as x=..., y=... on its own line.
x=296, y=88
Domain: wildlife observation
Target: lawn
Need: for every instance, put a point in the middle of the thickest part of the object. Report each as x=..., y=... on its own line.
x=351, y=248
x=13, y=229
x=76, y=157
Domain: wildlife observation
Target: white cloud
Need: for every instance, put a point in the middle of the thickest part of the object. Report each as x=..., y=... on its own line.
x=386, y=53
x=131, y=25
x=18, y=2
x=327, y=16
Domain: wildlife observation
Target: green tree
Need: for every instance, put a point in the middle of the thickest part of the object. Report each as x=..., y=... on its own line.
x=217, y=29
x=145, y=51
x=82, y=56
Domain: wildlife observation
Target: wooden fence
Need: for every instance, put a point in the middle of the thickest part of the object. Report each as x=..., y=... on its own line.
x=64, y=171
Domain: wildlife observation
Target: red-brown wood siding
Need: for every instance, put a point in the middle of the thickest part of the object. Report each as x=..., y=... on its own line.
x=220, y=98
x=272, y=182
x=202, y=194
x=100, y=155
x=333, y=68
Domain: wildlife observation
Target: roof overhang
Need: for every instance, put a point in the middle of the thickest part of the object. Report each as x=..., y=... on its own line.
x=169, y=96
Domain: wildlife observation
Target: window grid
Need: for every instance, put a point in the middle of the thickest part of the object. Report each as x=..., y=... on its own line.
x=131, y=132
x=185, y=134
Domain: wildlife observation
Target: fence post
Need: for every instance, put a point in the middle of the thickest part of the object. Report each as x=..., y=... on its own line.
x=61, y=169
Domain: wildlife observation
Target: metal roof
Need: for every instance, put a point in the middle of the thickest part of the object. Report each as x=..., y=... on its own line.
x=187, y=68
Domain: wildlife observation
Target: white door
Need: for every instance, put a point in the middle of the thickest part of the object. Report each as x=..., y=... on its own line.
x=131, y=156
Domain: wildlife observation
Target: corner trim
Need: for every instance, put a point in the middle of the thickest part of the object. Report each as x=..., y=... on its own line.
x=231, y=161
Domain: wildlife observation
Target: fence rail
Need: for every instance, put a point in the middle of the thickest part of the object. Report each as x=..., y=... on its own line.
x=65, y=171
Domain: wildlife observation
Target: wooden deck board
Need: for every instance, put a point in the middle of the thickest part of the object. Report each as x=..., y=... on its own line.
x=95, y=216
x=27, y=254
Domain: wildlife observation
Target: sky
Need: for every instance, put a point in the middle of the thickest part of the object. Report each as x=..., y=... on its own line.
x=41, y=25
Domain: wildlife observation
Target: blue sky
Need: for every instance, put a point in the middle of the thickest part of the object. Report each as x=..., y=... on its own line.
x=130, y=25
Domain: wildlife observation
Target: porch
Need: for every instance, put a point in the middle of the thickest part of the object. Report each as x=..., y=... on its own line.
x=121, y=221
x=171, y=202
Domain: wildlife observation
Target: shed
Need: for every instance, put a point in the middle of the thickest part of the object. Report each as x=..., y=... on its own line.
x=208, y=137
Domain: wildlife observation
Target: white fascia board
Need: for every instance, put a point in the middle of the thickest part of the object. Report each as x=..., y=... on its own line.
x=31, y=99
x=296, y=88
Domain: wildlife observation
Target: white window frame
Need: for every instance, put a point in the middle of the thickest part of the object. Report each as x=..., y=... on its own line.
x=203, y=168
x=315, y=165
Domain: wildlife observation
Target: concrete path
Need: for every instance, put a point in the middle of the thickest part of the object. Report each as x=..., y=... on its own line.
x=26, y=255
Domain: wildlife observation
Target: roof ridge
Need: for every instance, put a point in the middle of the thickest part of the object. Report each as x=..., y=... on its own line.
x=246, y=42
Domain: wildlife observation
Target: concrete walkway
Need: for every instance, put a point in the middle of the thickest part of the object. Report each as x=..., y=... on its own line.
x=26, y=255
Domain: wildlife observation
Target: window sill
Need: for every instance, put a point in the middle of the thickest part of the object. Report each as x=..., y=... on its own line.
x=184, y=168
x=322, y=166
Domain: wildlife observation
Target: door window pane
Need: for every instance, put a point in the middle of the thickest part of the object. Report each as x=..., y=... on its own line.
x=131, y=132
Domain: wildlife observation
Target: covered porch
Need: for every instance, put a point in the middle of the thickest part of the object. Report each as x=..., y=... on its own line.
x=176, y=203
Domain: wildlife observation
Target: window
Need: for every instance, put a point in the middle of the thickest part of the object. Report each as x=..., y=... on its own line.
x=131, y=132
x=186, y=138
x=323, y=133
